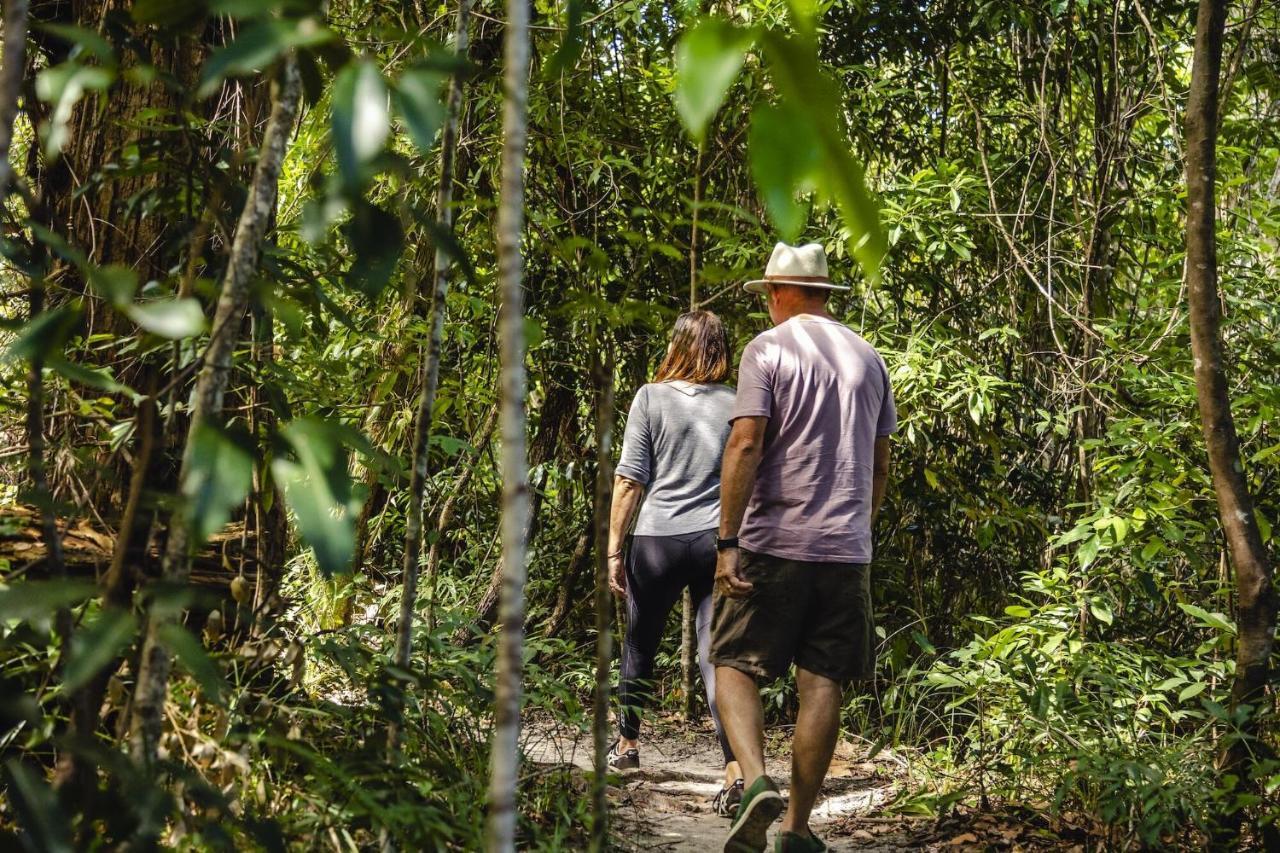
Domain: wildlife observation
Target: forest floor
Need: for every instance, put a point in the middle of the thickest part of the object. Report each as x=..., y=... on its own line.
x=666, y=804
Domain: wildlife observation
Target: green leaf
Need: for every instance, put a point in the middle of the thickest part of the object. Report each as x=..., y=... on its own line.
x=114, y=282
x=1207, y=619
x=85, y=40
x=417, y=99
x=567, y=55
x=97, y=645
x=784, y=159
x=63, y=86
x=193, y=657
x=37, y=809
x=1192, y=690
x=220, y=475
x=317, y=486
x=378, y=240
x=90, y=377
x=359, y=121
x=168, y=13
x=1101, y=612
x=793, y=63
x=169, y=318
x=1017, y=611
x=28, y=600
x=1088, y=551
x=256, y=48
x=45, y=334
x=708, y=59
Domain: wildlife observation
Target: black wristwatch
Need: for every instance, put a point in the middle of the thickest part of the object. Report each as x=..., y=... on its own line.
x=726, y=544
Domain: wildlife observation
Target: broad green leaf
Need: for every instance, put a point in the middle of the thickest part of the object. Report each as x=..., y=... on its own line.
x=220, y=475
x=794, y=69
x=317, y=486
x=378, y=240
x=168, y=13
x=566, y=56
x=360, y=122
x=169, y=318
x=1101, y=612
x=417, y=98
x=84, y=39
x=45, y=334
x=1017, y=611
x=37, y=809
x=194, y=659
x=257, y=47
x=115, y=283
x=1088, y=551
x=63, y=86
x=1207, y=619
x=1192, y=690
x=708, y=59
x=784, y=157
x=96, y=645
x=91, y=377
x=39, y=599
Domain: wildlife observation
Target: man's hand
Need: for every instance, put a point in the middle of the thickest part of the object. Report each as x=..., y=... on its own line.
x=729, y=579
x=617, y=575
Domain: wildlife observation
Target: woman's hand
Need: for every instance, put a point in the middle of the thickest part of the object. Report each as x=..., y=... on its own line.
x=617, y=575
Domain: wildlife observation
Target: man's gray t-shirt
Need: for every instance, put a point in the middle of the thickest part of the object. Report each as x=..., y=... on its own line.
x=826, y=394
x=672, y=446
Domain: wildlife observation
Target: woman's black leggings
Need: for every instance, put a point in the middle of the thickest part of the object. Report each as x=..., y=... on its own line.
x=658, y=570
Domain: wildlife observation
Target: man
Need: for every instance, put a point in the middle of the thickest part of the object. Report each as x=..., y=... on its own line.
x=803, y=477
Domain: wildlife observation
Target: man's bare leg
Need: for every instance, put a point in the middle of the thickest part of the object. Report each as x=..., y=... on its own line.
x=738, y=699
x=817, y=727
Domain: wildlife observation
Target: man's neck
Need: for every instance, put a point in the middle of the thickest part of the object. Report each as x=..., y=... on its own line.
x=812, y=311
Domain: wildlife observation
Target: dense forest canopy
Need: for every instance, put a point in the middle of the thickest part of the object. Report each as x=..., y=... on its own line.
x=269, y=267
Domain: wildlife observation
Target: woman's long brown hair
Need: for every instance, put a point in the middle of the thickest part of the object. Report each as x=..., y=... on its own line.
x=699, y=350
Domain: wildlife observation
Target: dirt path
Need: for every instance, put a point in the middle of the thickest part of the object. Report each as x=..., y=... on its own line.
x=666, y=804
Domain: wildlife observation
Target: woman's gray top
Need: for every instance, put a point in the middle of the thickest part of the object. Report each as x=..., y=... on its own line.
x=672, y=446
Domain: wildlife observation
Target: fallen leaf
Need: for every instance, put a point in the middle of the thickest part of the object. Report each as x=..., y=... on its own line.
x=966, y=838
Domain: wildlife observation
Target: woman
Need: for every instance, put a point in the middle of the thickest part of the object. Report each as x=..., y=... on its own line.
x=669, y=472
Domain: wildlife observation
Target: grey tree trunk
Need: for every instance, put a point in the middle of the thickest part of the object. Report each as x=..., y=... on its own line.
x=603, y=371
x=1255, y=599
x=431, y=368
x=504, y=757
x=152, y=686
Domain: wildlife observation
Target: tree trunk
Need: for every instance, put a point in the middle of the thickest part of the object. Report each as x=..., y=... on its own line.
x=15, y=47
x=603, y=376
x=504, y=756
x=431, y=368
x=151, y=689
x=1256, y=601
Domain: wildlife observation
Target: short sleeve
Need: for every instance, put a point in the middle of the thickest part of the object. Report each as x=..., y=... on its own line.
x=636, y=460
x=756, y=374
x=887, y=422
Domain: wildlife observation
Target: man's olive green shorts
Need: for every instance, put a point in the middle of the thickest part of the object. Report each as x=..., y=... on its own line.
x=816, y=615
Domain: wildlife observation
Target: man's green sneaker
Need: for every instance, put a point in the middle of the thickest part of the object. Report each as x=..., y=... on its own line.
x=761, y=804
x=790, y=842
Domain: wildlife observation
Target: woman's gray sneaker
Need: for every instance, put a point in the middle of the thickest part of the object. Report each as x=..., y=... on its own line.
x=726, y=802
x=760, y=807
x=627, y=760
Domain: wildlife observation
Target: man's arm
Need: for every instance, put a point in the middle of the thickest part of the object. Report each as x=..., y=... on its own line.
x=737, y=478
x=627, y=495
x=879, y=475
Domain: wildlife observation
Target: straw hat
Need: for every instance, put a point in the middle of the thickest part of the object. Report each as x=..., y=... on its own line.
x=803, y=265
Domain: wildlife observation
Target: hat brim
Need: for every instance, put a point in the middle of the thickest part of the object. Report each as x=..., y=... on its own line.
x=761, y=285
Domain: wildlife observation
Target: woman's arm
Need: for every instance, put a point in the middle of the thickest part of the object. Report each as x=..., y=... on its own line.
x=627, y=495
